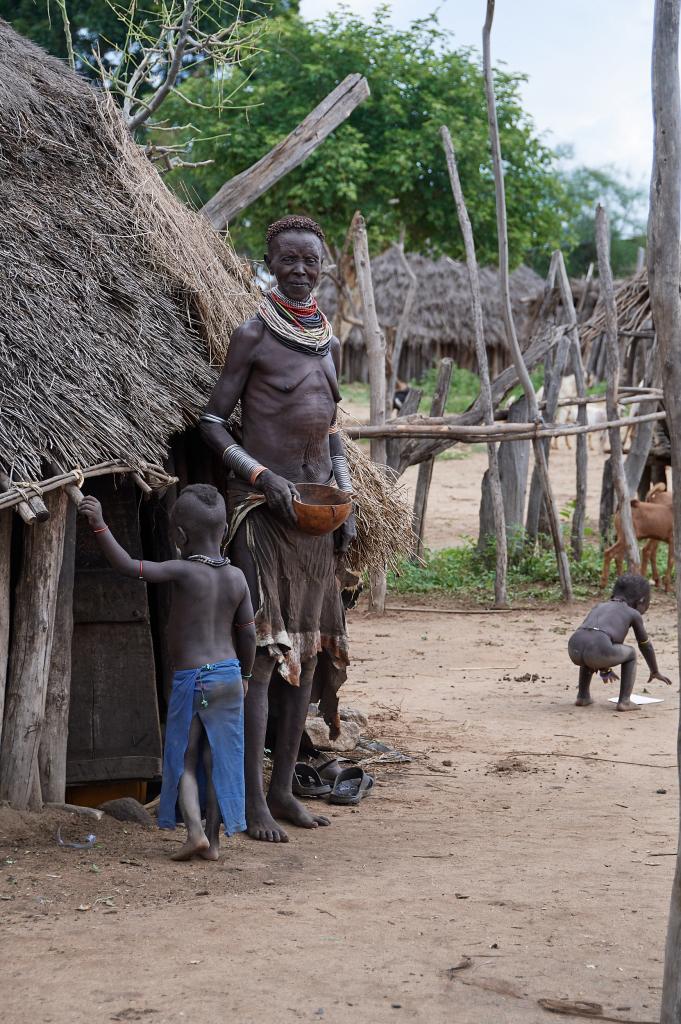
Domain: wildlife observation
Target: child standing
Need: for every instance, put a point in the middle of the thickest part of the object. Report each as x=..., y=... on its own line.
x=211, y=637
x=598, y=644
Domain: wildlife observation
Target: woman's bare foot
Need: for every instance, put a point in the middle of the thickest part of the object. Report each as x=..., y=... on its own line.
x=262, y=826
x=287, y=807
x=195, y=846
x=628, y=705
x=583, y=702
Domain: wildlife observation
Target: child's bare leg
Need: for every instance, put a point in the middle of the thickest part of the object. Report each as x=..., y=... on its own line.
x=584, y=697
x=627, y=680
x=213, y=816
x=188, y=796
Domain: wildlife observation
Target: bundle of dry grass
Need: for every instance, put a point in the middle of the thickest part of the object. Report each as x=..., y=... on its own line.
x=383, y=514
x=113, y=295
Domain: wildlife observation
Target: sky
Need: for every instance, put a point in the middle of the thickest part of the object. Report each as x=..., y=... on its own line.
x=588, y=63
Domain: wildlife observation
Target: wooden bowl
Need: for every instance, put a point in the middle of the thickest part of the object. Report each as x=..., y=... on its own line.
x=321, y=509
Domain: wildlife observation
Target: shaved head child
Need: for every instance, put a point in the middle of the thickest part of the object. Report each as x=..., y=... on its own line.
x=211, y=638
x=598, y=644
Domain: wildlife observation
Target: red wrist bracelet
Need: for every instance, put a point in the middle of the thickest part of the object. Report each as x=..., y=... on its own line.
x=102, y=529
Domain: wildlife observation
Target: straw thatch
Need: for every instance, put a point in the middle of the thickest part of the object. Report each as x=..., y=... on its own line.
x=441, y=322
x=115, y=299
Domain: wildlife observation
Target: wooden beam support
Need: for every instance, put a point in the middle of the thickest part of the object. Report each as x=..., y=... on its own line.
x=425, y=473
x=239, y=192
x=610, y=307
x=375, y=345
x=30, y=655
x=521, y=368
x=493, y=475
x=55, y=732
x=6, y=520
x=664, y=273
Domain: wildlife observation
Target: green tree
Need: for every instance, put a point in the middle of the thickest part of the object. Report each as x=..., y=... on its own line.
x=626, y=206
x=387, y=158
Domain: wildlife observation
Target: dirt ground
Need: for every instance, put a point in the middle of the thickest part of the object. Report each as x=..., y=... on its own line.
x=529, y=843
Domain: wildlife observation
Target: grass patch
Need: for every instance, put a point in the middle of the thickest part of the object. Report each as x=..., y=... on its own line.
x=461, y=451
x=468, y=573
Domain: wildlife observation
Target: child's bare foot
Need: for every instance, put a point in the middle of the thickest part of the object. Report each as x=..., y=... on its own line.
x=195, y=846
x=583, y=702
x=628, y=705
x=212, y=853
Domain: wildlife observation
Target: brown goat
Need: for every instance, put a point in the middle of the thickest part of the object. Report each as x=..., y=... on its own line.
x=658, y=495
x=652, y=521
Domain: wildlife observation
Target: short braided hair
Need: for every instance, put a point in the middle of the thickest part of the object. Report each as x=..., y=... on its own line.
x=293, y=223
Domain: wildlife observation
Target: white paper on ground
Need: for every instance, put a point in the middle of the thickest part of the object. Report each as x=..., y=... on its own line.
x=637, y=698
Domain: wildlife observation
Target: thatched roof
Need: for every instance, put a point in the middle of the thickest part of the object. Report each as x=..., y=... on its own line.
x=442, y=310
x=114, y=298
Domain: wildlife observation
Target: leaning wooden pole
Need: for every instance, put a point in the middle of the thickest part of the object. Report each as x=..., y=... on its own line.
x=500, y=593
x=608, y=295
x=581, y=456
x=375, y=345
x=664, y=274
x=31, y=651
x=521, y=369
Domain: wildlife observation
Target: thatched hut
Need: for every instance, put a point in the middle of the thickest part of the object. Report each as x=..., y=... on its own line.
x=634, y=326
x=115, y=312
x=440, y=322
x=115, y=303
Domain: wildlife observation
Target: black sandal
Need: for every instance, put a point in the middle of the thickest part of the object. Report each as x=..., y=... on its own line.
x=306, y=782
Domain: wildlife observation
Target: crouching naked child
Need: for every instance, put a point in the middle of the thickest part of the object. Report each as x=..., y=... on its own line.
x=211, y=637
x=598, y=644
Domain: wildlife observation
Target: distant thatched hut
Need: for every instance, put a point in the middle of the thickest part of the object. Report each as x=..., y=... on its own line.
x=634, y=325
x=115, y=301
x=440, y=323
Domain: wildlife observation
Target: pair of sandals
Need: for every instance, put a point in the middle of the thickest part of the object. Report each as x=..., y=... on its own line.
x=344, y=786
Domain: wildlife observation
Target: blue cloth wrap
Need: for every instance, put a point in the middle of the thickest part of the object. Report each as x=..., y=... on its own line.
x=223, y=722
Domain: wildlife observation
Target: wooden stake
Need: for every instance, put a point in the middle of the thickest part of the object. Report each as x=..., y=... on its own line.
x=639, y=448
x=425, y=474
x=554, y=365
x=581, y=455
x=55, y=732
x=664, y=273
x=30, y=655
x=375, y=345
x=239, y=192
x=500, y=594
x=608, y=296
x=402, y=325
x=523, y=375
x=5, y=597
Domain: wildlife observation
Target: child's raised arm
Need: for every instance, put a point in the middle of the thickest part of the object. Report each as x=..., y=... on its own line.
x=244, y=636
x=118, y=558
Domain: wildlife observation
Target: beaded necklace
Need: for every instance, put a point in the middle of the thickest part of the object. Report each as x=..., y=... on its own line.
x=215, y=563
x=299, y=325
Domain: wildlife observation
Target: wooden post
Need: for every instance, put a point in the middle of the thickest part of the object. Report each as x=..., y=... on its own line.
x=239, y=192
x=664, y=273
x=6, y=519
x=29, y=662
x=375, y=344
x=425, y=473
x=523, y=375
x=402, y=326
x=581, y=454
x=639, y=448
x=409, y=407
x=608, y=295
x=554, y=365
x=494, y=481
x=55, y=732
x=514, y=463
x=585, y=291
